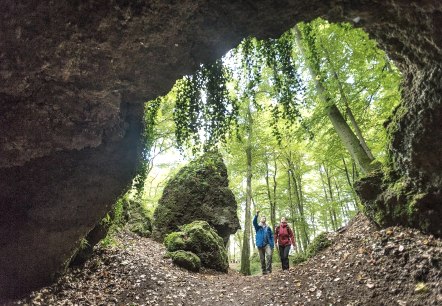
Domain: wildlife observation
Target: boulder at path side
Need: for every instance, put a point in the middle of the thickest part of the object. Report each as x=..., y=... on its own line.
x=185, y=259
x=199, y=191
x=202, y=240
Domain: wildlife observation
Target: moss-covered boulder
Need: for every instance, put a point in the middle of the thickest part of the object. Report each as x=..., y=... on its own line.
x=185, y=259
x=201, y=239
x=321, y=242
x=390, y=198
x=175, y=241
x=199, y=191
x=138, y=219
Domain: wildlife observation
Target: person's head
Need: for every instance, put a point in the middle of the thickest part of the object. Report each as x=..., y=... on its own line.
x=263, y=219
x=283, y=220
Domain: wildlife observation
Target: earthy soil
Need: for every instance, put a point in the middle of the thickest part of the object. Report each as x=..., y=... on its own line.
x=364, y=266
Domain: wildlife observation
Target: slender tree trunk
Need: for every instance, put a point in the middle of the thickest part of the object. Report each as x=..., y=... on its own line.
x=344, y=208
x=252, y=231
x=348, y=111
x=302, y=221
x=332, y=199
x=348, y=138
x=328, y=202
x=275, y=166
x=313, y=222
x=301, y=206
x=245, y=254
x=269, y=194
x=353, y=192
x=293, y=218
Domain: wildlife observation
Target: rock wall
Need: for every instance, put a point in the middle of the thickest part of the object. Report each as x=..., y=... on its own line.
x=73, y=75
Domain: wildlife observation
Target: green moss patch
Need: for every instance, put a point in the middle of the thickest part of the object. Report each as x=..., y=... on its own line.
x=185, y=259
x=320, y=243
x=201, y=239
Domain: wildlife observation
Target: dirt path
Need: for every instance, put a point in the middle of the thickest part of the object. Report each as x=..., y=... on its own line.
x=362, y=267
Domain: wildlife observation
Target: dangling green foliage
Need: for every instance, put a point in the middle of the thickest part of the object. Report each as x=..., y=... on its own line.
x=203, y=101
x=265, y=90
x=203, y=105
x=284, y=78
x=148, y=138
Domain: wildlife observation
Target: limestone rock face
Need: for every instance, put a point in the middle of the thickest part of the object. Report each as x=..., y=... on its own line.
x=73, y=75
x=202, y=240
x=199, y=191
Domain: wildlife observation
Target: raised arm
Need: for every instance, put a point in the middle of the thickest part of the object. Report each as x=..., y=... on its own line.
x=255, y=221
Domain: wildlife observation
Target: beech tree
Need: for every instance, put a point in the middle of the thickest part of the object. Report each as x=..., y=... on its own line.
x=298, y=119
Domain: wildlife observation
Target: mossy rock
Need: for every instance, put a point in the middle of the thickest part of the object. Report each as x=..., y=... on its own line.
x=298, y=258
x=137, y=216
x=175, y=241
x=321, y=242
x=201, y=239
x=199, y=191
x=185, y=259
x=140, y=229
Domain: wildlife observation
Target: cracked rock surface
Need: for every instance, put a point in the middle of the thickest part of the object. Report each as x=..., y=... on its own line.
x=74, y=75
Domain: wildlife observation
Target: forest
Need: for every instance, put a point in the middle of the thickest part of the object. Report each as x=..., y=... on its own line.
x=297, y=119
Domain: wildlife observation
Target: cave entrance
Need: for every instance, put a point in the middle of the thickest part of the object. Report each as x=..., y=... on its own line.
x=297, y=120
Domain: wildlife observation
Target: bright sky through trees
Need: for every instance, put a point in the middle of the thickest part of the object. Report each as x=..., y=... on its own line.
x=310, y=107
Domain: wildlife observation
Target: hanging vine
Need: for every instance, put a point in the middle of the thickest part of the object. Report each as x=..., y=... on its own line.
x=148, y=137
x=205, y=110
x=203, y=107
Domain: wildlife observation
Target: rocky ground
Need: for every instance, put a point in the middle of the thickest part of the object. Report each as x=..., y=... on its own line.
x=364, y=266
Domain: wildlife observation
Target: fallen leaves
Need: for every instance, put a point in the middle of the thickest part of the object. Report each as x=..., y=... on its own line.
x=394, y=266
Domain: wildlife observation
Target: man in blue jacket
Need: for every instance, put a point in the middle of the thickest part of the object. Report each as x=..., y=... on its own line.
x=264, y=243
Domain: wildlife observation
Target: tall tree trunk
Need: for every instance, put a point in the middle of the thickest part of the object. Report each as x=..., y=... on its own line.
x=313, y=222
x=275, y=167
x=348, y=111
x=348, y=138
x=344, y=208
x=353, y=192
x=332, y=198
x=293, y=218
x=328, y=202
x=245, y=254
x=252, y=232
x=302, y=221
x=269, y=193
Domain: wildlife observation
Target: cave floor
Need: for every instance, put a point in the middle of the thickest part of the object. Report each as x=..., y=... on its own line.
x=364, y=266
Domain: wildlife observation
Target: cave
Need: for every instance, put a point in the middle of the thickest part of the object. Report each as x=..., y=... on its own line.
x=74, y=77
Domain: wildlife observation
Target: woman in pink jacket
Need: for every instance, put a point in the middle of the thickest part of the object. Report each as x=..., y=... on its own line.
x=284, y=238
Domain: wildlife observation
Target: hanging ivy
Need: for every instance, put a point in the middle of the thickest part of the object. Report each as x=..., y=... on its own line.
x=203, y=107
x=148, y=138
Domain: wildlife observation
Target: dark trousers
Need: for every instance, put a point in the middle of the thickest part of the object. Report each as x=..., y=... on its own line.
x=265, y=255
x=284, y=255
